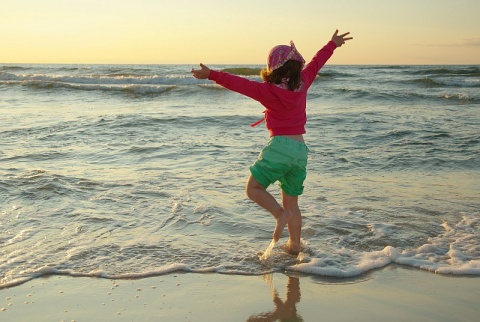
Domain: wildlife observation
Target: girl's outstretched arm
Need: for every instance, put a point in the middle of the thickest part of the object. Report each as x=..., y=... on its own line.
x=202, y=73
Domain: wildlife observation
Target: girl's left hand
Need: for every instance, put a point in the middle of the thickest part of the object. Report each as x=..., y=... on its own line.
x=202, y=73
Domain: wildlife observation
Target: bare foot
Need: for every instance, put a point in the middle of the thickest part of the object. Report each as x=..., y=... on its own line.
x=282, y=221
x=292, y=248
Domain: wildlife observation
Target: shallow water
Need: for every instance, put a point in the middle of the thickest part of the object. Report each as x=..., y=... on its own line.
x=138, y=170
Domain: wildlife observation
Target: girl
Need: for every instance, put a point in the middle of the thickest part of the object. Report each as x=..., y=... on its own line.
x=284, y=94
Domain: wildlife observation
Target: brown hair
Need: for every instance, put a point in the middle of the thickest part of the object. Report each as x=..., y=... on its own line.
x=291, y=70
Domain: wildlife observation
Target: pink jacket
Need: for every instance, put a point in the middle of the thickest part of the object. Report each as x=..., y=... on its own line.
x=285, y=112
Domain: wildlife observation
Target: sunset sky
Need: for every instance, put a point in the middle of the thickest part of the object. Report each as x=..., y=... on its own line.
x=237, y=32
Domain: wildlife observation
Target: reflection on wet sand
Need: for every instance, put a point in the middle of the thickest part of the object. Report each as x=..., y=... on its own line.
x=284, y=310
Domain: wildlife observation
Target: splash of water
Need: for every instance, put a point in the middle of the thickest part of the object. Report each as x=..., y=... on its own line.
x=266, y=256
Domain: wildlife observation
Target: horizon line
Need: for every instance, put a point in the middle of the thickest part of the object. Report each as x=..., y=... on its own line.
x=250, y=64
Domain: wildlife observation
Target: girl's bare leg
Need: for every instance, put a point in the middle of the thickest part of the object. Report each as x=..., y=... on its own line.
x=290, y=203
x=259, y=194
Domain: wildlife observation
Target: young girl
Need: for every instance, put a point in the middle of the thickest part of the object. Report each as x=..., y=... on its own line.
x=284, y=94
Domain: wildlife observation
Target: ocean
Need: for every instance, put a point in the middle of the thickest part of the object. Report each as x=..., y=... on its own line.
x=130, y=171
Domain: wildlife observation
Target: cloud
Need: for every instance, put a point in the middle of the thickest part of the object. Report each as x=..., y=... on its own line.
x=466, y=42
x=471, y=42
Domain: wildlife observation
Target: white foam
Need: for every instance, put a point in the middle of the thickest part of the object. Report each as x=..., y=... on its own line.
x=366, y=262
x=455, y=251
x=460, y=82
x=380, y=230
x=48, y=80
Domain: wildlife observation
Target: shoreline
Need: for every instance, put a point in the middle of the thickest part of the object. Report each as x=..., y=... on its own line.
x=394, y=292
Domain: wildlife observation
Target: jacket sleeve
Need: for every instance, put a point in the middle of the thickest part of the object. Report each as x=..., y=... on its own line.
x=252, y=89
x=317, y=62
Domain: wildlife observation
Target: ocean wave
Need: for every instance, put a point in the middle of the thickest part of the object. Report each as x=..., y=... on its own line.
x=43, y=185
x=111, y=79
x=446, y=82
x=117, y=82
x=376, y=95
x=462, y=97
x=426, y=81
x=452, y=252
x=446, y=70
x=454, y=95
x=12, y=68
x=140, y=81
x=49, y=271
x=244, y=71
x=135, y=89
x=331, y=74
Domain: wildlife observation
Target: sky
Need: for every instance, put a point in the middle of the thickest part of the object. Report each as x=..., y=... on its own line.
x=237, y=32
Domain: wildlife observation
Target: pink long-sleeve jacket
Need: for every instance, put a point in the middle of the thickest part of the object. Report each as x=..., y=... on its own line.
x=285, y=112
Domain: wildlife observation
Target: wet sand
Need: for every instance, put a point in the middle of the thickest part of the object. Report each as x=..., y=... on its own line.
x=394, y=293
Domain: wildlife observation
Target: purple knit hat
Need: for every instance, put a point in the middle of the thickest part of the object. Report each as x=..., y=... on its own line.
x=279, y=55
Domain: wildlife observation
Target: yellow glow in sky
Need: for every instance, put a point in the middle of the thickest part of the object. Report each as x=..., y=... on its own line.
x=237, y=32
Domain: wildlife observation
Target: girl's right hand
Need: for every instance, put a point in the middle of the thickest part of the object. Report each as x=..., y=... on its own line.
x=339, y=40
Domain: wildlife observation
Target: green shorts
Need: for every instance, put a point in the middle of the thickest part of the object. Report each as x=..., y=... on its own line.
x=283, y=160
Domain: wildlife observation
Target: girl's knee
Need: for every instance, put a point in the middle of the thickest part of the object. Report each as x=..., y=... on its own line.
x=249, y=192
x=249, y=189
x=253, y=187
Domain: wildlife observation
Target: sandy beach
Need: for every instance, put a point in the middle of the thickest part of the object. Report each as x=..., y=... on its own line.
x=394, y=293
